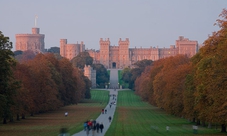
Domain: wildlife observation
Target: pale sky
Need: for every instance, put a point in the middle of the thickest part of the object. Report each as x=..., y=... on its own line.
x=145, y=22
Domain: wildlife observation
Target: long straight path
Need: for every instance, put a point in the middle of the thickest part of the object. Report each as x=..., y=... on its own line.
x=103, y=118
x=114, y=78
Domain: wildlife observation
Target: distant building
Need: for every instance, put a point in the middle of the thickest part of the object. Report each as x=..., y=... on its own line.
x=70, y=50
x=91, y=74
x=122, y=56
x=34, y=41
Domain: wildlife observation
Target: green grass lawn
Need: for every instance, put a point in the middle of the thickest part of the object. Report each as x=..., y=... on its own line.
x=49, y=124
x=136, y=118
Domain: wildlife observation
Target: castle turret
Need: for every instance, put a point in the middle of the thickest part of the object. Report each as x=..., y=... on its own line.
x=186, y=46
x=63, y=43
x=104, y=52
x=124, y=53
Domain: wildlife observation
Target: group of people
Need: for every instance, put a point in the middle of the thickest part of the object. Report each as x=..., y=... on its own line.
x=93, y=126
x=104, y=110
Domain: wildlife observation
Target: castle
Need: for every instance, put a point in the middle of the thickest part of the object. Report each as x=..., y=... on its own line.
x=34, y=41
x=118, y=57
x=122, y=56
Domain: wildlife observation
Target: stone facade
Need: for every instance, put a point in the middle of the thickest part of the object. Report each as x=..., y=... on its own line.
x=91, y=74
x=34, y=41
x=70, y=50
x=122, y=56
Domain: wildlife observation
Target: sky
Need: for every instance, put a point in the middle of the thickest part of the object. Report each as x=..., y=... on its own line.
x=147, y=23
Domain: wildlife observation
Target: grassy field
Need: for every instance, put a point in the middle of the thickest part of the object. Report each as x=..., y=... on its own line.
x=49, y=124
x=136, y=118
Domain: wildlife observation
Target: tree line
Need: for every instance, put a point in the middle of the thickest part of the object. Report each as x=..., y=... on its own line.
x=194, y=88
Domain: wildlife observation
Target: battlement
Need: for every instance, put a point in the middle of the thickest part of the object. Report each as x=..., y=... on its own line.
x=63, y=41
x=30, y=35
x=104, y=42
x=127, y=39
x=126, y=42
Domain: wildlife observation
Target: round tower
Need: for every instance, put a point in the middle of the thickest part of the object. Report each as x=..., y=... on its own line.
x=34, y=41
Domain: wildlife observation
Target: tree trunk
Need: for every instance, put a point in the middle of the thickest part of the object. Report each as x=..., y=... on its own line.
x=198, y=122
x=11, y=119
x=23, y=116
x=18, y=117
x=203, y=123
x=193, y=120
x=223, y=128
x=209, y=125
x=4, y=121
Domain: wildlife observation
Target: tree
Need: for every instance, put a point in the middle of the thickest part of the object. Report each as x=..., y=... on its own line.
x=136, y=72
x=68, y=94
x=8, y=85
x=18, y=52
x=102, y=76
x=126, y=75
x=25, y=56
x=142, y=84
x=45, y=88
x=82, y=59
x=23, y=99
x=210, y=76
x=54, y=50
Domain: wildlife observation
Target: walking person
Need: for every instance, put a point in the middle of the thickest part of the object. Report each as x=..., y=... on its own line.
x=93, y=129
x=87, y=130
x=105, y=111
x=97, y=127
x=85, y=125
x=101, y=126
x=110, y=118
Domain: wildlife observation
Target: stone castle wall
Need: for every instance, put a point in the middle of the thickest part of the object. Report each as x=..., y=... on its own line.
x=70, y=50
x=122, y=56
x=91, y=74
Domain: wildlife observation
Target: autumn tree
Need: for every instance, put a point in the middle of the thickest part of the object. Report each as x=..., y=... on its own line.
x=136, y=71
x=45, y=88
x=142, y=84
x=68, y=94
x=24, y=103
x=210, y=76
